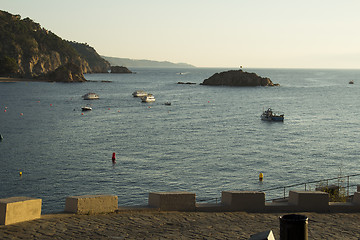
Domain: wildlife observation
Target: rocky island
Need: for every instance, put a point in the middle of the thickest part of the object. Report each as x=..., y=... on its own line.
x=119, y=69
x=238, y=78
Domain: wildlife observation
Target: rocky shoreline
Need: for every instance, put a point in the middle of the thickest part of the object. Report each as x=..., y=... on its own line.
x=153, y=224
x=13, y=80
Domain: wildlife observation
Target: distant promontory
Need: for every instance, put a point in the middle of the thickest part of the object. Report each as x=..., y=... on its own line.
x=238, y=78
x=133, y=63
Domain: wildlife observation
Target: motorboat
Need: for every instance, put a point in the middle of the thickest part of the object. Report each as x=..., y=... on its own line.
x=270, y=115
x=86, y=108
x=351, y=82
x=148, y=98
x=90, y=96
x=139, y=93
x=167, y=103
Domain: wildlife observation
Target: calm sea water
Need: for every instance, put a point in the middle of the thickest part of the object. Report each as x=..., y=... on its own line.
x=209, y=140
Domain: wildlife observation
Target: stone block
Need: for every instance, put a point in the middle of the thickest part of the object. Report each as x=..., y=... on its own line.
x=309, y=200
x=91, y=204
x=173, y=201
x=19, y=209
x=243, y=200
x=343, y=207
x=356, y=198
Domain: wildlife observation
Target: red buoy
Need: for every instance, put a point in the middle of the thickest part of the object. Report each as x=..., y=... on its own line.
x=113, y=158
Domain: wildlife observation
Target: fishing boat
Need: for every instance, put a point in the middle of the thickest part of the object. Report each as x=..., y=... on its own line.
x=90, y=96
x=270, y=115
x=148, y=98
x=139, y=93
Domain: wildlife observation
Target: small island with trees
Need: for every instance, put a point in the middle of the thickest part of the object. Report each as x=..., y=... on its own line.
x=238, y=78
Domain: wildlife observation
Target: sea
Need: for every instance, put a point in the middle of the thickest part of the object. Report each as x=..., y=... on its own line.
x=210, y=139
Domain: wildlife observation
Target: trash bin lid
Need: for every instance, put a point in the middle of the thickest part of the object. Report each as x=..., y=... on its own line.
x=294, y=217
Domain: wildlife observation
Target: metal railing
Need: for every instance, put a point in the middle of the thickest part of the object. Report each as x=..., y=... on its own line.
x=342, y=181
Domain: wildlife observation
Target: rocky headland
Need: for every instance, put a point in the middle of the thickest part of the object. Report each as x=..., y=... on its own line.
x=29, y=51
x=119, y=69
x=238, y=78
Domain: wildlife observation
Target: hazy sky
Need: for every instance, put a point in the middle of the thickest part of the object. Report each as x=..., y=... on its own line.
x=228, y=33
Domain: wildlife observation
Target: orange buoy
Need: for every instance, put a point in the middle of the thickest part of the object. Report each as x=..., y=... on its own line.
x=113, y=158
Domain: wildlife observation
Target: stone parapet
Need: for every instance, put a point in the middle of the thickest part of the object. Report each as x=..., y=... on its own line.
x=309, y=200
x=243, y=200
x=19, y=209
x=172, y=201
x=356, y=198
x=91, y=204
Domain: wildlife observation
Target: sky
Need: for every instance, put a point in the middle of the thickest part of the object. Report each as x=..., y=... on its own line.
x=208, y=33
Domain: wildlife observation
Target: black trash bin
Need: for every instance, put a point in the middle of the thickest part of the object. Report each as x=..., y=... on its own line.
x=293, y=227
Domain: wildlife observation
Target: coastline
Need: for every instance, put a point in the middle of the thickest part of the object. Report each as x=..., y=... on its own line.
x=11, y=80
x=154, y=224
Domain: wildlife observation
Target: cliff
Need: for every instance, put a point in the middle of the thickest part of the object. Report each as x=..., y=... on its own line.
x=238, y=78
x=29, y=51
x=68, y=72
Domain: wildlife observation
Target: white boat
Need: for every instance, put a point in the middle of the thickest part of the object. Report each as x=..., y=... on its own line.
x=148, y=98
x=269, y=115
x=140, y=93
x=90, y=96
x=86, y=108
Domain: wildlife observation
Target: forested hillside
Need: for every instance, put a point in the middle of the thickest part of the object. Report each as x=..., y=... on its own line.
x=28, y=50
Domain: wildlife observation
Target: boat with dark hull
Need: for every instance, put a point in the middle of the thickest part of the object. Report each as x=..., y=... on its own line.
x=270, y=115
